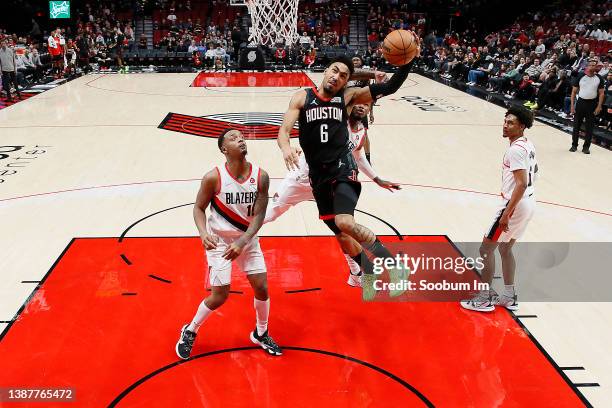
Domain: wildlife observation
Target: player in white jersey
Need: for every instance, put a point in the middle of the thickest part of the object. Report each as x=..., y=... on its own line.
x=238, y=195
x=516, y=207
x=295, y=187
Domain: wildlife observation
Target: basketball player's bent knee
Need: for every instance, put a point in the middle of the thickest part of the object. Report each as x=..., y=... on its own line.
x=345, y=223
x=259, y=283
x=217, y=297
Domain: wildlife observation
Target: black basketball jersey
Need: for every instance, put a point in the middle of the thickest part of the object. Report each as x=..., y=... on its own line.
x=323, y=129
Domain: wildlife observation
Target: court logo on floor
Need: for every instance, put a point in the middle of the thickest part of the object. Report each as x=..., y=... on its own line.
x=431, y=104
x=253, y=125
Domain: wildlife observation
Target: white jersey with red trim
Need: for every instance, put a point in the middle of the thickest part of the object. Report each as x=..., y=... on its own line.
x=357, y=137
x=356, y=141
x=233, y=205
x=521, y=155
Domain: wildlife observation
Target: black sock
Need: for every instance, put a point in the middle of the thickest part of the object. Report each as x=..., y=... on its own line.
x=364, y=262
x=378, y=250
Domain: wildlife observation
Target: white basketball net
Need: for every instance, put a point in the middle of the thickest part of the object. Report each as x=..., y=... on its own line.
x=273, y=20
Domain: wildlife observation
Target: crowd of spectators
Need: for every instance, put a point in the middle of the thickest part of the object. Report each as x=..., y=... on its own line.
x=535, y=60
x=212, y=31
x=102, y=33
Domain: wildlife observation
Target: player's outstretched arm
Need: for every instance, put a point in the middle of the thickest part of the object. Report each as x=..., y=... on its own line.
x=208, y=188
x=374, y=91
x=366, y=168
x=259, y=210
x=378, y=90
x=364, y=74
x=290, y=154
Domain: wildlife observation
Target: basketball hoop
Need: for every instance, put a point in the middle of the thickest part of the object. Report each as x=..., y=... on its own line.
x=273, y=20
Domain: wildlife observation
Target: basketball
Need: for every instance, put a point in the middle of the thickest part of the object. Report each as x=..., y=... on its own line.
x=400, y=47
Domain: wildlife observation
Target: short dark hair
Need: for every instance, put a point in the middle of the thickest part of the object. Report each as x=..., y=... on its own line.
x=343, y=59
x=221, y=137
x=523, y=115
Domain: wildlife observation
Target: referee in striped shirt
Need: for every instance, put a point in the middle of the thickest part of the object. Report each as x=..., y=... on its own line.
x=590, y=90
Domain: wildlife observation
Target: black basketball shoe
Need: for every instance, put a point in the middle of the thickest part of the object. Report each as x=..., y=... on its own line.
x=266, y=343
x=185, y=343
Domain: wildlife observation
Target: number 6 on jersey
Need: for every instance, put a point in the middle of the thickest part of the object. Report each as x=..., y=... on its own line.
x=324, y=136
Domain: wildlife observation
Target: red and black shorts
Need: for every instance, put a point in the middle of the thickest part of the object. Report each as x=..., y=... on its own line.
x=335, y=188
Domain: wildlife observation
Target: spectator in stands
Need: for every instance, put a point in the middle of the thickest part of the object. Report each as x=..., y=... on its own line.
x=26, y=66
x=236, y=37
x=586, y=102
x=304, y=40
x=481, y=71
x=503, y=81
x=525, y=90
x=535, y=69
x=550, y=80
x=171, y=19
x=219, y=64
x=84, y=45
x=20, y=68
x=540, y=48
x=70, y=58
x=195, y=59
x=38, y=66
x=209, y=56
x=130, y=37
x=142, y=43
x=8, y=68
x=608, y=99
x=220, y=53
x=569, y=57
x=310, y=57
x=604, y=69
x=280, y=55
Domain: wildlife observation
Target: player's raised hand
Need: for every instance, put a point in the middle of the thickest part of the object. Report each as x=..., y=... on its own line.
x=418, y=40
x=233, y=251
x=389, y=185
x=210, y=241
x=291, y=156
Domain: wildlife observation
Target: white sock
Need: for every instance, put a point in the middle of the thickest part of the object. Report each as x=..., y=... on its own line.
x=262, y=311
x=353, y=266
x=201, y=315
x=509, y=290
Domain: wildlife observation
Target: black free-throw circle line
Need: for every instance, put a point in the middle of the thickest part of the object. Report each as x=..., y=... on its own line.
x=381, y=220
x=380, y=370
x=384, y=222
x=123, y=234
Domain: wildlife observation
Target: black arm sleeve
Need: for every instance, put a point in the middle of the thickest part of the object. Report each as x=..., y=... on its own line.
x=393, y=84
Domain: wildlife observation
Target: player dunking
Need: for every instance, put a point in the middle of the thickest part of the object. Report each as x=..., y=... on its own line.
x=324, y=139
x=238, y=195
x=516, y=208
x=296, y=188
